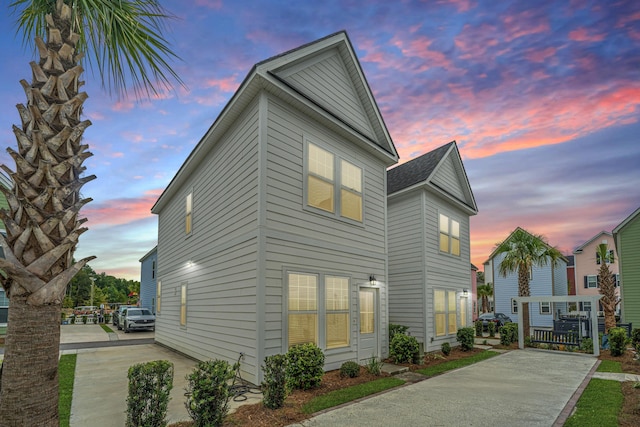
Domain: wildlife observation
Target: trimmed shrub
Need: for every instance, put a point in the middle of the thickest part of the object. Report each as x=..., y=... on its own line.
x=587, y=345
x=208, y=392
x=479, y=328
x=492, y=329
x=466, y=338
x=84, y=319
x=446, y=348
x=509, y=333
x=305, y=366
x=635, y=339
x=349, y=369
x=617, y=341
x=397, y=329
x=374, y=366
x=149, y=387
x=274, y=386
x=404, y=348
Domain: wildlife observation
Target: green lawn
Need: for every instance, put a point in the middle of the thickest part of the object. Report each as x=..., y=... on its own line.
x=610, y=366
x=338, y=397
x=599, y=405
x=66, y=375
x=455, y=364
x=106, y=328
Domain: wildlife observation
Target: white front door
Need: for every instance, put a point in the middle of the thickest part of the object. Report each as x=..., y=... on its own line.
x=368, y=339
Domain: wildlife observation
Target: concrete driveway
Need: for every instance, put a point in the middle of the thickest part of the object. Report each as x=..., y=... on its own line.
x=519, y=388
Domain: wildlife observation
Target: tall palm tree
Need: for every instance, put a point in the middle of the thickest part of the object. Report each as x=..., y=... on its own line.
x=607, y=287
x=522, y=251
x=484, y=292
x=42, y=222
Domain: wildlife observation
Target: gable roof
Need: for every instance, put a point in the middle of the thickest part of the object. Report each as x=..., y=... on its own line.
x=421, y=171
x=623, y=224
x=283, y=76
x=579, y=249
x=148, y=254
x=493, y=254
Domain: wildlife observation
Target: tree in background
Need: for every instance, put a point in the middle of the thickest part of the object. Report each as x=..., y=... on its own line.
x=607, y=286
x=522, y=251
x=42, y=222
x=484, y=292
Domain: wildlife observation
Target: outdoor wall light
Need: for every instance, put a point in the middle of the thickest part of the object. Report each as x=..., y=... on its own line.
x=372, y=280
x=465, y=291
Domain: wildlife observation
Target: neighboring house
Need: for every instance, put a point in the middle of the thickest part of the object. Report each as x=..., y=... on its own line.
x=273, y=231
x=429, y=205
x=571, y=276
x=148, y=283
x=587, y=266
x=474, y=292
x=543, y=281
x=5, y=182
x=627, y=242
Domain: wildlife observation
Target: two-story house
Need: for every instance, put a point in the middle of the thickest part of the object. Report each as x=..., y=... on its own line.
x=587, y=265
x=626, y=236
x=548, y=280
x=273, y=231
x=429, y=205
x=148, y=281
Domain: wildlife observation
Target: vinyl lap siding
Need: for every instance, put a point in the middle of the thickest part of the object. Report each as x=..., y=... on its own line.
x=629, y=244
x=447, y=178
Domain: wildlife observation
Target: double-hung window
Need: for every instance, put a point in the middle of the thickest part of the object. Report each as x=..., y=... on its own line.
x=545, y=308
x=333, y=185
x=445, y=305
x=318, y=310
x=449, y=235
x=514, y=306
x=590, y=281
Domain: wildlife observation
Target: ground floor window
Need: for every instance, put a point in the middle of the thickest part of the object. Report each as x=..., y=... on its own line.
x=514, y=306
x=446, y=313
x=318, y=310
x=545, y=308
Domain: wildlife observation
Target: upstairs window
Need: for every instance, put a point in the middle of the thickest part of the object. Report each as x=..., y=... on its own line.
x=590, y=281
x=325, y=175
x=188, y=213
x=153, y=269
x=449, y=235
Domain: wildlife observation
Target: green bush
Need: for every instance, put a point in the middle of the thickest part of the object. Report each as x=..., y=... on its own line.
x=492, y=329
x=84, y=319
x=274, y=386
x=397, y=329
x=446, y=348
x=509, y=333
x=635, y=339
x=479, y=328
x=617, y=340
x=466, y=338
x=587, y=345
x=349, y=369
x=149, y=387
x=374, y=366
x=404, y=348
x=208, y=392
x=305, y=366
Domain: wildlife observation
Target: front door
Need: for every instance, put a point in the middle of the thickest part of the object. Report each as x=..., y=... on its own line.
x=368, y=339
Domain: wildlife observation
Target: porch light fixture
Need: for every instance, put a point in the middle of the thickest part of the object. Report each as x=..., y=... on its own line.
x=372, y=280
x=465, y=291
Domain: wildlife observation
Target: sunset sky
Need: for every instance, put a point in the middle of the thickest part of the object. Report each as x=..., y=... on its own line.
x=543, y=99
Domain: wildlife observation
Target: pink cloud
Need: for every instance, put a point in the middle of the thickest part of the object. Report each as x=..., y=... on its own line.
x=523, y=24
x=228, y=84
x=420, y=48
x=583, y=35
x=540, y=55
x=120, y=211
x=210, y=4
x=462, y=5
x=117, y=154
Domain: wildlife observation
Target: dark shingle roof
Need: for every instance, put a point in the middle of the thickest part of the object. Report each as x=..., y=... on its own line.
x=416, y=170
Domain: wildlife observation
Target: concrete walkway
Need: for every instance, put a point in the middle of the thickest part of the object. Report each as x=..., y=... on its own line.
x=518, y=388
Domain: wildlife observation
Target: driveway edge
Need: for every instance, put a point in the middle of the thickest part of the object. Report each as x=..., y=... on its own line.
x=571, y=404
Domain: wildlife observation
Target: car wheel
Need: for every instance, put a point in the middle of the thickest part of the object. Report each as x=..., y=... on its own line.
x=119, y=327
x=126, y=328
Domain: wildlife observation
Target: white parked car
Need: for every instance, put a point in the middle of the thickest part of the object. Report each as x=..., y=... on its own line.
x=134, y=318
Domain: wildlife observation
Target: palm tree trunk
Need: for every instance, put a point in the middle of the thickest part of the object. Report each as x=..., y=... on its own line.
x=30, y=367
x=524, y=291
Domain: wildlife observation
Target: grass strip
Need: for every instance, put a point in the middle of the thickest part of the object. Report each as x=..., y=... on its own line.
x=338, y=397
x=66, y=375
x=106, y=328
x=599, y=405
x=455, y=364
x=610, y=366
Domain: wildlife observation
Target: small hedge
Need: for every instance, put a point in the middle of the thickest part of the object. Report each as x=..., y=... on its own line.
x=397, y=329
x=617, y=341
x=479, y=328
x=509, y=333
x=208, y=392
x=149, y=387
x=466, y=338
x=349, y=369
x=404, y=348
x=446, y=348
x=492, y=329
x=635, y=339
x=305, y=366
x=274, y=386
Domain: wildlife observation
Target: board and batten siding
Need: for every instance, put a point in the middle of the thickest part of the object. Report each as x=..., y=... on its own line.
x=218, y=259
x=629, y=253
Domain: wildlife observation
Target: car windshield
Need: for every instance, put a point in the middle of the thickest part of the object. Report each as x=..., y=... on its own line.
x=138, y=312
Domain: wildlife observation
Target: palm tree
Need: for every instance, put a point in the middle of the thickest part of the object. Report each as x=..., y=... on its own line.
x=484, y=292
x=607, y=287
x=42, y=221
x=522, y=251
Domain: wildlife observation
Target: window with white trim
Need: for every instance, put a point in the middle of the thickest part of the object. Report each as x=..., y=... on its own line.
x=514, y=306
x=446, y=313
x=449, y=235
x=305, y=315
x=188, y=213
x=545, y=308
x=591, y=281
x=585, y=306
x=325, y=174
x=183, y=304
x=617, y=280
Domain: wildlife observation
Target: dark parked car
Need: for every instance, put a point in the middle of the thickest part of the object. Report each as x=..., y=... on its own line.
x=137, y=318
x=498, y=318
x=117, y=315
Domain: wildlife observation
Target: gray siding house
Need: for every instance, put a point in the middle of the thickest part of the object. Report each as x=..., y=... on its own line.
x=273, y=231
x=429, y=205
x=148, y=282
